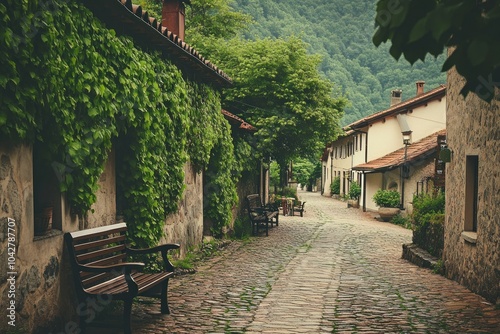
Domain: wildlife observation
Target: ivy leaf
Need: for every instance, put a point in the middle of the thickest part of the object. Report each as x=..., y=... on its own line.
x=477, y=52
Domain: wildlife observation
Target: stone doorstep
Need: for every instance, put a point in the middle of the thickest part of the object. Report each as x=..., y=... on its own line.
x=418, y=256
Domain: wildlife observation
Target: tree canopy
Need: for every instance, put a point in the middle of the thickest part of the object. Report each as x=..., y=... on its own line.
x=471, y=29
x=277, y=85
x=278, y=89
x=341, y=32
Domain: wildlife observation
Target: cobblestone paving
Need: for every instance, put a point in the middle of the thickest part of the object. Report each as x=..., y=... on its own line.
x=335, y=270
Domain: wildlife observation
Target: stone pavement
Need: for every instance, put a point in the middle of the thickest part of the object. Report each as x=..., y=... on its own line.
x=335, y=270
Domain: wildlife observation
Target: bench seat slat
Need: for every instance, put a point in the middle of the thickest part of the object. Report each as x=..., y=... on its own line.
x=118, y=284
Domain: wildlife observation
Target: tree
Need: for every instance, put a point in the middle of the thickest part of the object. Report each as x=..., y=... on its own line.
x=471, y=29
x=277, y=87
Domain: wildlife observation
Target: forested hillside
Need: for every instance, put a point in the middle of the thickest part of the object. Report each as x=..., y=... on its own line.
x=341, y=31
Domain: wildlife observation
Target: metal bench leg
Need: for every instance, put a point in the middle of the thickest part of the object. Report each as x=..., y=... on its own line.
x=127, y=310
x=83, y=319
x=164, y=299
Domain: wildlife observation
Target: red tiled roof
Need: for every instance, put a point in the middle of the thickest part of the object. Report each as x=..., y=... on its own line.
x=416, y=151
x=129, y=19
x=233, y=119
x=417, y=101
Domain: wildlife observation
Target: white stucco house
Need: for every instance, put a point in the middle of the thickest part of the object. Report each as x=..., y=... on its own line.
x=391, y=149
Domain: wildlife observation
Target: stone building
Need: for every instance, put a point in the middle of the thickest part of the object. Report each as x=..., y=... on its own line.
x=44, y=291
x=472, y=227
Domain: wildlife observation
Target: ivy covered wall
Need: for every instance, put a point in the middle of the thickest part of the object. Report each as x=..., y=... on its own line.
x=76, y=88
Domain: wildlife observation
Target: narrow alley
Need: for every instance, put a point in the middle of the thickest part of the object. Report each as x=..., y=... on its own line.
x=335, y=270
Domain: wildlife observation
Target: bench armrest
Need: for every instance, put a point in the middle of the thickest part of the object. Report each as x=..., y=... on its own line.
x=160, y=248
x=124, y=268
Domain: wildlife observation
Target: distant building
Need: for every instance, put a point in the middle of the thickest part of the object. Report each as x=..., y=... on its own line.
x=391, y=149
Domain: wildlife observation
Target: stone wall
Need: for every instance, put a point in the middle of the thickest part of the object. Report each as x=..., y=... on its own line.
x=186, y=226
x=31, y=268
x=41, y=278
x=473, y=259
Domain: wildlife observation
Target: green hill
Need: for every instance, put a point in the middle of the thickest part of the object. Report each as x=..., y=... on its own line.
x=341, y=31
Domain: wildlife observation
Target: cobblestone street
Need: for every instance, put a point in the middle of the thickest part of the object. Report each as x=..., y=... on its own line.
x=335, y=270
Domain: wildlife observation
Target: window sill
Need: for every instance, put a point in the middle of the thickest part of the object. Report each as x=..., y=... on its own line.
x=49, y=234
x=469, y=237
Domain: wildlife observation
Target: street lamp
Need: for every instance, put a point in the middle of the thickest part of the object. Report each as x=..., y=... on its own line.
x=404, y=172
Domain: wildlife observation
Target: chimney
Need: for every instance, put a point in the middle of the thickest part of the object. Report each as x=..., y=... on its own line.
x=396, y=96
x=420, y=87
x=172, y=16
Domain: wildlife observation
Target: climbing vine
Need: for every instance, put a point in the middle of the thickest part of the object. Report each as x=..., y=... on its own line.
x=76, y=88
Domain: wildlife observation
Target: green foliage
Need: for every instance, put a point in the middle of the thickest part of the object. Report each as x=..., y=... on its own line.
x=340, y=31
x=335, y=186
x=77, y=89
x=470, y=28
x=214, y=18
x=386, y=198
x=279, y=90
x=315, y=175
x=220, y=183
x=402, y=221
x=354, y=190
x=242, y=228
x=428, y=222
x=302, y=170
x=438, y=267
x=274, y=177
x=289, y=192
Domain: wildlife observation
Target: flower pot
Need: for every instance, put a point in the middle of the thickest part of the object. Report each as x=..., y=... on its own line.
x=386, y=214
x=352, y=203
x=43, y=221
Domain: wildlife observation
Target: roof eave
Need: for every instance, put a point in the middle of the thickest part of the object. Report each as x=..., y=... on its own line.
x=123, y=20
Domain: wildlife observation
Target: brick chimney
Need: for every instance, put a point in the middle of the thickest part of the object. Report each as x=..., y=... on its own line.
x=420, y=87
x=396, y=96
x=173, y=16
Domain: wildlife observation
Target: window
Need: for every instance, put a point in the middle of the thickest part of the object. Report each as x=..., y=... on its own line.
x=471, y=192
x=46, y=193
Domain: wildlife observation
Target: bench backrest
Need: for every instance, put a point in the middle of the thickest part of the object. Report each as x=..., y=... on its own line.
x=96, y=246
x=254, y=202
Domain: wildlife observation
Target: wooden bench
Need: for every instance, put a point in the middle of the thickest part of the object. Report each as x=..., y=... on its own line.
x=98, y=259
x=298, y=208
x=260, y=215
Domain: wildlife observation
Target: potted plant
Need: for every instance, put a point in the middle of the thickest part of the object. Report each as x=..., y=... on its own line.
x=43, y=221
x=354, y=193
x=388, y=203
x=335, y=187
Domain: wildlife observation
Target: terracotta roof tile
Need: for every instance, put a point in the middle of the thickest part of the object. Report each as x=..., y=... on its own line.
x=416, y=151
x=129, y=19
x=233, y=119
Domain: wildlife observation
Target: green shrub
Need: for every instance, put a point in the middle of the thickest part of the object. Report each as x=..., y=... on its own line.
x=401, y=221
x=428, y=222
x=289, y=192
x=354, y=191
x=386, y=198
x=335, y=186
x=242, y=228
